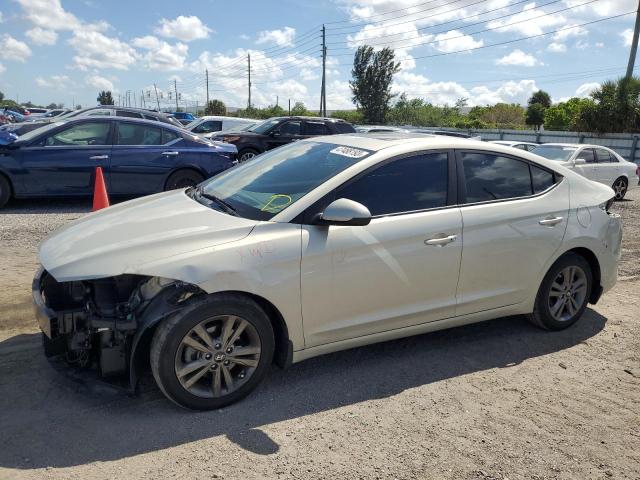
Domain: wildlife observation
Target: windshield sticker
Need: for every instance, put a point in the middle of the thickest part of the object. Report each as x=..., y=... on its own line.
x=349, y=152
x=276, y=203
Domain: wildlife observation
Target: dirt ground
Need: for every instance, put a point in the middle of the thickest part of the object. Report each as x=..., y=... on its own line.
x=495, y=400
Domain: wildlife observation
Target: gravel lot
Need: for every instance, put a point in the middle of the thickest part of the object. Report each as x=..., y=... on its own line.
x=495, y=400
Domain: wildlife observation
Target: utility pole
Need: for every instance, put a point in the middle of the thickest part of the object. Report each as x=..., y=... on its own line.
x=143, y=103
x=323, y=92
x=249, y=71
x=175, y=88
x=207, y=74
x=157, y=101
x=289, y=107
x=277, y=100
x=634, y=45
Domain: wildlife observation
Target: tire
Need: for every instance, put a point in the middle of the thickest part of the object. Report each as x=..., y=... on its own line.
x=172, y=352
x=5, y=191
x=247, y=154
x=620, y=186
x=546, y=314
x=183, y=179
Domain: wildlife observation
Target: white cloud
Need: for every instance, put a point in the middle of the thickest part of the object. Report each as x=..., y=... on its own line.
x=183, y=28
x=162, y=55
x=100, y=83
x=42, y=36
x=585, y=89
x=57, y=82
x=557, y=47
x=602, y=8
x=446, y=93
x=518, y=58
x=455, y=41
x=49, y=14
x=568, y=31
x=281, y=37
x=528, y=22
x=96, y=50
x=2, y=69
x=12, y=49
x=627, y=37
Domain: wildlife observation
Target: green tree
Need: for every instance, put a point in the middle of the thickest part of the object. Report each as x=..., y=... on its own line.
x=53, y=105
x=1, y=96
x=565, y=115
x=615, y=108
x=215, y=107
x=300, y=109
x=372, y=75
x=541, y=97
x=105, y=98
x=535, y=115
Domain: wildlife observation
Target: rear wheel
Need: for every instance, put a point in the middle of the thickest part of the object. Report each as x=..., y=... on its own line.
x=183, y=179
x=5, y=191
x=620, y=186
x=213, y=353
x=564, y=293
x=247, y=154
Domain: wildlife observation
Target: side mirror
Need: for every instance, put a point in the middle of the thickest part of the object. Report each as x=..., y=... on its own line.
x=579, y=161
x=345, y=212
x=275, y=133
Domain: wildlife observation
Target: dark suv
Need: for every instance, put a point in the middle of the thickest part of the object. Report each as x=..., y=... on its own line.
x=278, y=131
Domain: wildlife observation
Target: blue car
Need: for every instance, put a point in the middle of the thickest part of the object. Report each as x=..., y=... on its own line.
x=184, y=117
x=138, y=157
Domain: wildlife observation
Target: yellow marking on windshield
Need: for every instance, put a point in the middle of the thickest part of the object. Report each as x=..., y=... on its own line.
x=272, y=207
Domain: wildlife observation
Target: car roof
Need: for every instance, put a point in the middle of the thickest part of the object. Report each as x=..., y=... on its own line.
x=513, y=142
x=302, y=117
x=113, y=118
x=222, y=117
x=576, y=145
x=381, y=140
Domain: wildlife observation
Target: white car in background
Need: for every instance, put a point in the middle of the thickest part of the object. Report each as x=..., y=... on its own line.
x=597, y=163
x=207, y=125
x=321, y=245
x=526, y=146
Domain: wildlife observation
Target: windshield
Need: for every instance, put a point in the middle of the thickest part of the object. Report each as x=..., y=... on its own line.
x=265, y=126
x=558, y=153
x=263, y=187
x=190, y=125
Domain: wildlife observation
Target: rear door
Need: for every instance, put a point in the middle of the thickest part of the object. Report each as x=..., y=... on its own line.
x=514, y=215
x=141, y=158
x=64, y=162
x=606, y=168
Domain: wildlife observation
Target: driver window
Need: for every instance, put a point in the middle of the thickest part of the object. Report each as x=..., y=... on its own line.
x=290, y=128
x=82, y=134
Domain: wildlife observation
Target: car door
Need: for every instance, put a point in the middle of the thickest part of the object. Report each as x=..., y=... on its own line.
x=314, y=128
x=287, y=132
x=514, y=215
x=586, y=169
x=398, y=271
x=141, y=158
x=606, y=168
x=64, y=161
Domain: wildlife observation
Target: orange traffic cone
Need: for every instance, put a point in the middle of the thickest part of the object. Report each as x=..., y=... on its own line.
x=100, y=197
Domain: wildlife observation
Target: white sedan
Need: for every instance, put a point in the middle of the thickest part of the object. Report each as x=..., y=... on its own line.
x=597, y=163
x=527, y=146
x=318, y=246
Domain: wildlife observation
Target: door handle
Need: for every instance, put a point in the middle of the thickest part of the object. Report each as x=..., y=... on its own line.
x=170, y=153
x=550, y=221
x=441, y=241
x=99, y=157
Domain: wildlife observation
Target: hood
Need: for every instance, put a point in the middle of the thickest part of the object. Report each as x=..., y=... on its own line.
x=123, y=238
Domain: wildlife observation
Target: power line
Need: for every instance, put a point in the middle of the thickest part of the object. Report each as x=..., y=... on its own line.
x=489, y=29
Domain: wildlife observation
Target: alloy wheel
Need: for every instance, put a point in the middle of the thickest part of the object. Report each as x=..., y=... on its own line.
x=568, y=293
x=620, y=187
x=247, y=156
x=217, y=356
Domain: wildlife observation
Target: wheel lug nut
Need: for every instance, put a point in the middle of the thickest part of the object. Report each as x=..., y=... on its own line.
x=230, y=349
x=207, y=356
x=226, y=362
x=214, y=366
x=218, y=346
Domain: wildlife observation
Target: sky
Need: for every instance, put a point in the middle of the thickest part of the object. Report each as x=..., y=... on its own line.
x=485, y=51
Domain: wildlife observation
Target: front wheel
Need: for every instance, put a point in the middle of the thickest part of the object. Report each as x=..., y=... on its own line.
x=5, y=191
x=564, y=293
x=620, y=186
x=247, y=154
x=213, y=353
